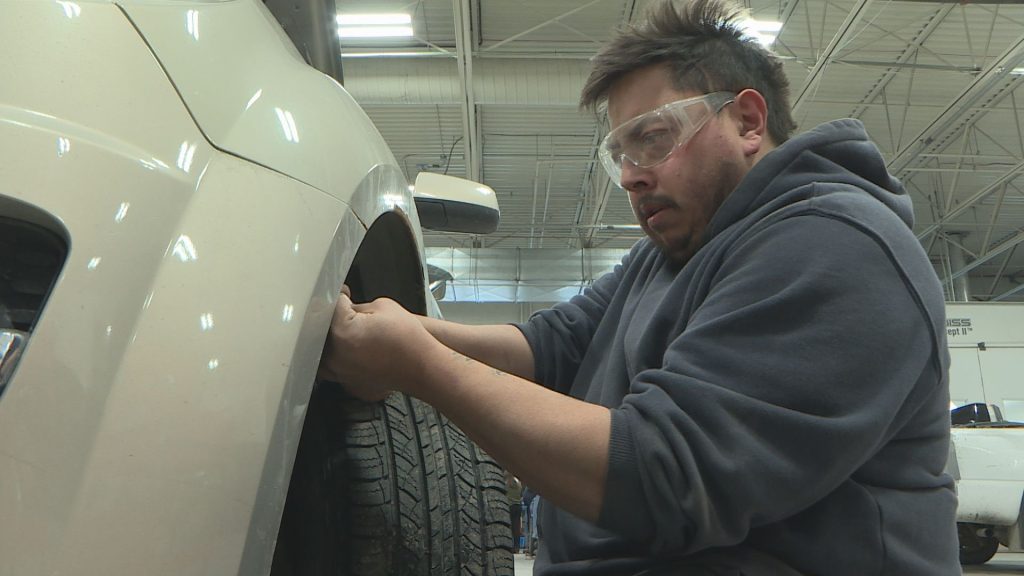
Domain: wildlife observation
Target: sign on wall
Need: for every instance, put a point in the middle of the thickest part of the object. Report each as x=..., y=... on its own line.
x=986, y=347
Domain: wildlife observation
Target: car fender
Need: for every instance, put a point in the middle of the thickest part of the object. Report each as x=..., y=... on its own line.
x=252, y=96
x=151, y=421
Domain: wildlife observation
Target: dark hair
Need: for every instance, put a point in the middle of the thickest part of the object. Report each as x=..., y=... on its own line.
x=705, y=48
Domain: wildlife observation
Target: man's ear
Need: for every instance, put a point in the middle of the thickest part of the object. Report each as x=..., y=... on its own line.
x=751, y=111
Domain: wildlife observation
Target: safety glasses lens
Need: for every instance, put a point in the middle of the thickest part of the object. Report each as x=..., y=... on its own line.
x=650, y=138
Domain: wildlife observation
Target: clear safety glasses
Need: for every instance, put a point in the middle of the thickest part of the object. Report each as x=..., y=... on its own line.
x=648, y=139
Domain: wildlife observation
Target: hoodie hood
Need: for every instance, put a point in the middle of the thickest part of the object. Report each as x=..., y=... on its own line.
x=832, y=157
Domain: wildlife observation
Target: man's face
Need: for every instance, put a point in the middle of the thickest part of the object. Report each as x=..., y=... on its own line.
x=674, y=200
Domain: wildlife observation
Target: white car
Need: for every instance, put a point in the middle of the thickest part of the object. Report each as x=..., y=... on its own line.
x=181, y=199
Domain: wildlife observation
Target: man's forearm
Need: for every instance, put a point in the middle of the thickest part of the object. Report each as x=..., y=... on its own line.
x=552, y=442
x=499, y=345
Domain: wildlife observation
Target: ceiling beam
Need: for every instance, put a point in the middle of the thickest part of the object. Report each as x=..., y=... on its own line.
x=464, y=55
x=954, y=117
x=904, y=59
x=593, y=180
x=1002, y=269
x=541, y=25
x=990, y=254
x=604, y=193
x=978, y=196
x=995, y=217
x=906, y=65
x=840, y=39
x=1009, y=293
x=786, y=13
x=600, y=183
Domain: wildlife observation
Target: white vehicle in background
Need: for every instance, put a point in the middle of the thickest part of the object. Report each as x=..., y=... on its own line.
x=987, y=462
x=181, y=199
x=986, y=346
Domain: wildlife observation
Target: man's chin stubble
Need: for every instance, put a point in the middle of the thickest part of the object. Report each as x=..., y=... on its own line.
x=678, y=252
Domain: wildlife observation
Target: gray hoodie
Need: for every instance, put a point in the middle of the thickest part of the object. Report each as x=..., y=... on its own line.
x=783, y=395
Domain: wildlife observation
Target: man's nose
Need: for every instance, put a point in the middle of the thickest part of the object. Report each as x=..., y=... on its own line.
x=635, y=178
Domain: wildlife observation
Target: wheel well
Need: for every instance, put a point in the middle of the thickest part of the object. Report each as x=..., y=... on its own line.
x=388, y=264
x=315, y=515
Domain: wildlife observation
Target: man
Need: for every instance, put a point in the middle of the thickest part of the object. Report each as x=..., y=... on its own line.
x=759, y=388
x=531, y=501
x=514, y=493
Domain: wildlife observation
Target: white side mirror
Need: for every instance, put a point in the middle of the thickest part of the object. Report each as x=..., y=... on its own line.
x=450, y=204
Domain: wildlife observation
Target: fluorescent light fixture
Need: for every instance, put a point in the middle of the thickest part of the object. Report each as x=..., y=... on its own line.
x=420, y=54
x=374, y=25
x=764, y=31
x=763, y=26
x=373, y=19
x=1017, y=72
x=374, y=31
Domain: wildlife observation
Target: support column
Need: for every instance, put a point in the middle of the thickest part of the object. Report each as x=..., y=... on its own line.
x=961, y=290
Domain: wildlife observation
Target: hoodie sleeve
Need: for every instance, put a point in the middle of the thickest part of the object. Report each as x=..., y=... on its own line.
x=559, y=336
x=786, y=379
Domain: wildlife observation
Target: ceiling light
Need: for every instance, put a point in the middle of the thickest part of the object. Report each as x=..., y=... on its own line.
x=1017, y=72
x=393, y=25
x=419, y=54
x=374, y=31
x=763, y=25
x=373, y=19
x=764, y=31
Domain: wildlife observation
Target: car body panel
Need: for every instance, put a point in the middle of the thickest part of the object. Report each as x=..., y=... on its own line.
x=271, y=114
x=152, y=420
x=989, y=463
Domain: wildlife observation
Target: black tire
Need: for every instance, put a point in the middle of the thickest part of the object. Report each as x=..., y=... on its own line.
x=471, y=481
x=390, y=489
x=975, y=548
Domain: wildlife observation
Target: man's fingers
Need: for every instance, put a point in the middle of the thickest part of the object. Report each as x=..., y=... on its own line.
x=344, y=312
x=344, y=301
x=375, y=306
x=346, y=291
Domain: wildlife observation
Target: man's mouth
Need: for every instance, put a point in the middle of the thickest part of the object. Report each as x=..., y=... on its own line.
x=647, y=213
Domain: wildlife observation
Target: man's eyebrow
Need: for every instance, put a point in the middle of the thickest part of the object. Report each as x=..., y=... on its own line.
x=639, y=123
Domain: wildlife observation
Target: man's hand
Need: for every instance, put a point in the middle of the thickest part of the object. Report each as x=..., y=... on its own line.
x=373, y=349
x=379, y=347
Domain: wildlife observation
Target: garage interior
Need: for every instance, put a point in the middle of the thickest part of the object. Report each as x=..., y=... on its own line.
x=488, y=90
x=172, y=253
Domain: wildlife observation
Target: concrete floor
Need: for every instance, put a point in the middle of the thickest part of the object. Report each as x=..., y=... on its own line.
x=1003, y=563
x=524, y=565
